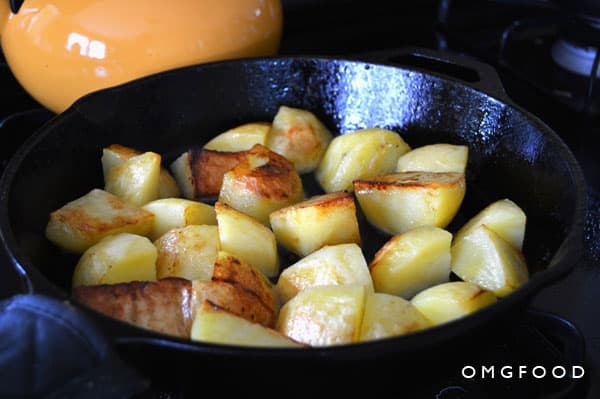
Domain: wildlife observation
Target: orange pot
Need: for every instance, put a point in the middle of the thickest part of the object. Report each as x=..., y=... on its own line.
x=60, y=50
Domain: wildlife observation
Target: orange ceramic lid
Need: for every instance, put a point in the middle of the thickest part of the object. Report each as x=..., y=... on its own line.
x=60, y=50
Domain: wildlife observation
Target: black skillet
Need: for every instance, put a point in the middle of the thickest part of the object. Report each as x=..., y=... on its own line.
x=512, y=155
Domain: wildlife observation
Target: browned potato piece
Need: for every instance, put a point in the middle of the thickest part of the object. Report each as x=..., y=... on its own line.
x=163, y=306
x=189, y=252
x=388, y=315
x=85, y=221
x=262, y=182
x=236, y=299
x=230, y=269
x=398, y=202
x=300, y=136
x=199, y=172
x=247, y=239
x=324, y=315
x=116, y=154
x=118, y=258
x=136, y=180
x=213, y=324
x=328, y=219
x=169, y=305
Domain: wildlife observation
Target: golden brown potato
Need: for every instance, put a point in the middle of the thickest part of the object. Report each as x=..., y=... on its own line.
x=300, y=136
x=388, y=315
x=321, y=220
x=399, y=202
x=199, y=172
x=188, y=252
x=169, y=305
x=449, y=301
x=412, y=261
x=116, y=154
x=136, y=180
x=504, y=217
x=118, y=258
x=484, y=258
x=232, y=270
x=213, y=324
x=342, y=264
x=85, y=221
x=235, y=299
x=324, y=315
x=170, y=213
x=165, y=306
x=439, y=157
x=240, y=138
x=248, y=239
x=262, y=182
x=361, y=154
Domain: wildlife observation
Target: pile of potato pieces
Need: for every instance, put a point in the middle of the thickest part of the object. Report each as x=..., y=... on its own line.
x=254, y=171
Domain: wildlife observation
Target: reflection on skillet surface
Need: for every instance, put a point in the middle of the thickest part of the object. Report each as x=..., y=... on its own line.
x=511, y=155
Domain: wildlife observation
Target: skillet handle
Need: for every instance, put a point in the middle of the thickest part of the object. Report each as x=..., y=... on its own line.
x=466, y=69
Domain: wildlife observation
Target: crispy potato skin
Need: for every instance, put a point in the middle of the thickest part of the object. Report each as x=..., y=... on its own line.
x=166, y=306
x=208, y=168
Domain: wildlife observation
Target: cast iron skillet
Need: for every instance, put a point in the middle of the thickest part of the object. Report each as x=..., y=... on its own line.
x=512, y=155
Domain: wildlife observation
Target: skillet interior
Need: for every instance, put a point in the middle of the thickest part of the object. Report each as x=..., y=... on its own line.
x=512, y=155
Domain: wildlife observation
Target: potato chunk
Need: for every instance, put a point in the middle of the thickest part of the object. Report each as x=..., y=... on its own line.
x=342, y=264
x=188, y=252
x=116, y=154
x=213, y=324
x=359, y=155
x=116, y=259
x=235, y=299
x=199, y=172
x=389, y=316
x=328, y=219
x=240, y=138
x=435, y=158
x=262, y=182
x=85, y=221
x=399, y=202
x=166, y=306
x=449, y=301
x=324, y=315
x=300, y=136
x=504, y=217
x=136, y=180
x=248, y=239
x=412, y=261
x=484, y=258
x=229, y=269
x=170, y=213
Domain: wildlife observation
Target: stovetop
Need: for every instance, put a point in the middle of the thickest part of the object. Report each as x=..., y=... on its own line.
x=562, y=326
